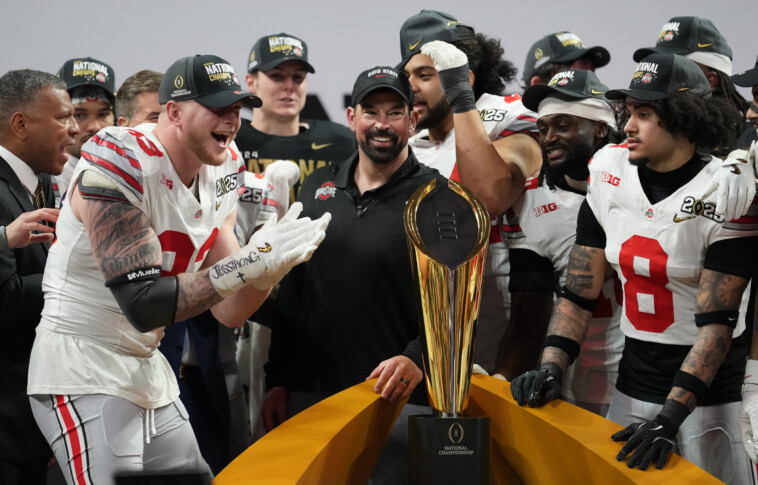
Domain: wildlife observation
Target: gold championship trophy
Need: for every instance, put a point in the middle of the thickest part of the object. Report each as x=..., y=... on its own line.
x=448, y=232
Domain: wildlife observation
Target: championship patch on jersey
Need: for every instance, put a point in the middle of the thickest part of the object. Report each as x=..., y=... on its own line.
x=326, y=191
x=119, y=162
x=693, y=207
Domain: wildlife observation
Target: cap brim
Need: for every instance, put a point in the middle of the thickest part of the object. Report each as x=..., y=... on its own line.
x=275, y=62
x=598, y=55
x=641, y=94
x=222, y=99
x=110, y=95
x=640, y=54
x=534, y=95
x=747, y=79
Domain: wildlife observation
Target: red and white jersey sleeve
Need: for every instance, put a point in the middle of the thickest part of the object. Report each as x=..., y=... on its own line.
x=84, y=344
x=657, y=250
x=502, y=116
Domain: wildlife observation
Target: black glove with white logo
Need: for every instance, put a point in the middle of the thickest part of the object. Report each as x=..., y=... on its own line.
x=538, y=387
x=652, y=441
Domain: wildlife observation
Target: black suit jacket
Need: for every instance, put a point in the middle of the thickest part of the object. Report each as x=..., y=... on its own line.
x=20, y=307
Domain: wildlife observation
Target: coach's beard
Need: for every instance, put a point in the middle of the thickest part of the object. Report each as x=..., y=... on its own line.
x=381, y=155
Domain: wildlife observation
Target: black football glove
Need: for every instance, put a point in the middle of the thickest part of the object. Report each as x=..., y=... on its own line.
x=652, y=441
x=538, y=387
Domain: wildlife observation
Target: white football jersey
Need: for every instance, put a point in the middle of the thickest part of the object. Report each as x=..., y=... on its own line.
x=501, y=115
x=84, y=344
x=62, y=181
x=544, y=222
x=658, y=250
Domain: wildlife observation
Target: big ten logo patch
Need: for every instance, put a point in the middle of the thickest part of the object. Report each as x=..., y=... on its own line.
x=544, y=209
x=610, y=179
x=307, y=167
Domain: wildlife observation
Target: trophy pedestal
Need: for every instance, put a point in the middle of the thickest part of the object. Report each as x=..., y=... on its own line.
x=449, y=450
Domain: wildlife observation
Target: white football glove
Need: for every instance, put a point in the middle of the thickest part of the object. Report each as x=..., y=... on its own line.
x=280, y=176
x=747, y=420
x=734, y=184
x=271, y=252
x=452, y=67
x=478, y=369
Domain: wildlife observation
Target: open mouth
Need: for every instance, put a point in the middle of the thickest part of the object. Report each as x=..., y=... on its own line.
x=223, y=139
x=555, y=153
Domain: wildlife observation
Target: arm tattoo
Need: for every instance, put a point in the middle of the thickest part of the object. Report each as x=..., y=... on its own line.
x=568, y=321
x=121, y=237
x=196, y=294
x=580, y=277
x=716, y=292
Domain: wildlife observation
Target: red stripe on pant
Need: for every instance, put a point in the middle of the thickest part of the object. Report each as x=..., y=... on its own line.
x=74, y=440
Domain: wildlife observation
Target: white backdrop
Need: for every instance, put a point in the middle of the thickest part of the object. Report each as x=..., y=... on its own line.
x=344, y=37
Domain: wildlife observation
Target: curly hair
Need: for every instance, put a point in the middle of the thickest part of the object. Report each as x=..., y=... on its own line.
x=485, y=59
x=711, y=123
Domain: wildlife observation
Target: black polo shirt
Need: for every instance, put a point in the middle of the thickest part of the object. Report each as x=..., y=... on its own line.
x=353, y=304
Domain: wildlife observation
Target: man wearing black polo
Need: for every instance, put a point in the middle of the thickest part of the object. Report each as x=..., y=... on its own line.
x=350, y=313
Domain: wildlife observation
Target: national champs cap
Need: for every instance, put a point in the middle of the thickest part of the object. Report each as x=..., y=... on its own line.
x=660, y=76
x=271, y=50
x=86, y=71
x=558, y=48
x=693, y=37
x=747, y=79
x=429, y=25
x=207, y=79
x=569, y=85
x=381, y=77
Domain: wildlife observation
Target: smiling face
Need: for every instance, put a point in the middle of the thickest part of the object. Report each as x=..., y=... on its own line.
x=51, y=129
x=282, y=89
x=428, y=98
x=382, y=123
x=568, y=142
x=210, y=131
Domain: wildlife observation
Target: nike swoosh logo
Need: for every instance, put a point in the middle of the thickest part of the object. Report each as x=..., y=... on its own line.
x=594, y=91
x=266, y=249
x=218, y=204
x=680, y=219
x=314, y=146
x=684, y=89
x=413, y=46
x=701, y=46
x=736, y=170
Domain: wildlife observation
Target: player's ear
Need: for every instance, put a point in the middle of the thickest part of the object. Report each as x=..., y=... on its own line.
x=251, y=79
x=174, y=112
x=351, y=118
x=413, y=119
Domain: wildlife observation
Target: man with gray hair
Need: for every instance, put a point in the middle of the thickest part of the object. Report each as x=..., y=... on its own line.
x=137, y=99
x=36, y=125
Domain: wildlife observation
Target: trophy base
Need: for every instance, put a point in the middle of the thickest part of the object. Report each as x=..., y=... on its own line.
x=449, y=450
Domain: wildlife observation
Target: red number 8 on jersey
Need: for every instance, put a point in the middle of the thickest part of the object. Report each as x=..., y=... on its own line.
x=649, y=304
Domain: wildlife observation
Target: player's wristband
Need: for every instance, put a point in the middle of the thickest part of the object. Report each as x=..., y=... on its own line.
x=724, y=317
x=570, y=346
x=672, y=416
x=580, y=301
x=458, y=91
x=689, y=382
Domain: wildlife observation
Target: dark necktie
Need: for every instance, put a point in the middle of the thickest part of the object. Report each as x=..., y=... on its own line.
x=39, y=197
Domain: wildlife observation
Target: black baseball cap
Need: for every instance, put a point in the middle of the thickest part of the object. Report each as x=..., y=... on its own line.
x=86, y=71
x=687, y=35
x=569, y=85
x=429, y=25
x=271, y=50
x=747, y=79
x=381, y=77
x=207, y=79
x=561, y=47
x=660, y=76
